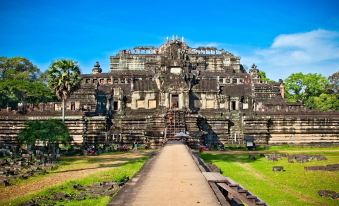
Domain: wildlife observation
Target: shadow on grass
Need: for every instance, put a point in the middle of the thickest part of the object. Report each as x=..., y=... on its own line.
x=65, y=161
x=122, y=162
x=241, y=158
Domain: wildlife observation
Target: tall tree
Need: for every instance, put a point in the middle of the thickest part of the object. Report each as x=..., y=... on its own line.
x=63, y=79
x=19, y=82
x=301, y=87
x=334, y=82
x=19, y=65
x=326, y=102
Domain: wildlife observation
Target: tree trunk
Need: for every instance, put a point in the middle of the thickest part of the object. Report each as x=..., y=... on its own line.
x=53, y=152
x=63, y=109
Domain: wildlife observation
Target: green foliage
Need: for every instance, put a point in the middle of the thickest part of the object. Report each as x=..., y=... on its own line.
x=313, y=90
x=334, y=83
x=325, y=102
x=11, y=66
x=63, y=77
x=19, y=82
x=48, y=131
x=300, y=87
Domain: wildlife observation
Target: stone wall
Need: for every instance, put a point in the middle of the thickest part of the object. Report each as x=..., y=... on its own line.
x=293, y=128
x=130, y=129
x=81, y=128
x=96, y=130
x=193, y=129
x=150, y=128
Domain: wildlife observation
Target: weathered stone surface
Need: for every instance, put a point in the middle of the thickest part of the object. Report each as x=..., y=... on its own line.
x=328, y=193
x=20, y=168
x=331, y=167
x=301, y=158
x=92, y=191
x=214, y=168
x=278, y=169
x=152, y=93
x=275, y=156
x=251, y=157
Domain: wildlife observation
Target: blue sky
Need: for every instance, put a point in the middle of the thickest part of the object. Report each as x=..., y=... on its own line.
x=281, y=37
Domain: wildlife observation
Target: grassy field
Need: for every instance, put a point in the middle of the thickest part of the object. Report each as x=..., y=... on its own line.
x=76, y=170
x=295, y=186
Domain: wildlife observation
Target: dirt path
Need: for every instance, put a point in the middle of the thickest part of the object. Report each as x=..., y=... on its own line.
x=172, y=180
x=71, y=172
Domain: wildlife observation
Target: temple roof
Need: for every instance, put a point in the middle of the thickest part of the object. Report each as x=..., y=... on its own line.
x=237, y=90
x=145, y=85
x=207, y=85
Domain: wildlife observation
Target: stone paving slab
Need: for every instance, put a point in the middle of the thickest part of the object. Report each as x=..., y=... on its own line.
x=172, y=179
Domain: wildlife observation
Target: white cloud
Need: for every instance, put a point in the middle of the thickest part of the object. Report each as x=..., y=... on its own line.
x=314, y=51
x=304, y=40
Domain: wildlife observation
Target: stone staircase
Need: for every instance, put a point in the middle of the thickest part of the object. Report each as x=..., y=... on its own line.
x=236, y=128
x=175, y=123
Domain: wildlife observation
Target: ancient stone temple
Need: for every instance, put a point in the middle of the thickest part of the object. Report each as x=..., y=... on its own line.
x=150, y=94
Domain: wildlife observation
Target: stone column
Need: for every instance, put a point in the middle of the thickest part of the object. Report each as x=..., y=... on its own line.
x=170, y=101
x=108, y=104
x=187, y=100
x=181, y=101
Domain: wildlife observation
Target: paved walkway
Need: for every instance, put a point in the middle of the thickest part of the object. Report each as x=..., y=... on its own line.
x=173, y=179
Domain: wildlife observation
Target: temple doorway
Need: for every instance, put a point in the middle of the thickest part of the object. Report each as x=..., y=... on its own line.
x=115, y=105
x=175, y=101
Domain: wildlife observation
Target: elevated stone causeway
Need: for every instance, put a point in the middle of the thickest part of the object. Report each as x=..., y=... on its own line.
x=172, y=178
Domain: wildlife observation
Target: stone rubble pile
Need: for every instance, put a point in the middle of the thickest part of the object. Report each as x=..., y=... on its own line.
x=275, y=156
x=300, y=158
x=278, y=169
x=80, y=193
x=332, y=167
x=23, y=168
x=329, y=193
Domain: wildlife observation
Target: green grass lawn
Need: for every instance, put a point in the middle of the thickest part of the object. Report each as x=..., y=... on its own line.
x=124, y=166
x=295, y=186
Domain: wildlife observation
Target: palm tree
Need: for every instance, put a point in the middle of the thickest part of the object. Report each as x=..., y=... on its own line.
x=63, y=79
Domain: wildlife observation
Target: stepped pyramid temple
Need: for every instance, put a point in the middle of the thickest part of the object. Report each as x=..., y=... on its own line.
x=150, y=94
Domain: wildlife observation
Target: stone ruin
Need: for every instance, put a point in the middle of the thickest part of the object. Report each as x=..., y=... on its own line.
x=329, y=193
x=23, y=167
x=275, y=156
x=278, y=169
x=79, y=193
x=23, y=162
x=331, y=167
x=299, y=158
x=152, y=93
